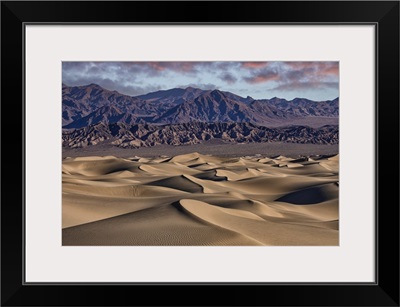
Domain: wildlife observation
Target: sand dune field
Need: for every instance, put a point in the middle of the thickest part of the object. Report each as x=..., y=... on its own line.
x=195, y=199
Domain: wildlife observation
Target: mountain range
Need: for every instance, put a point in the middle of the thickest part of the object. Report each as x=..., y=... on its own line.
x=86, y=105
x=91, y=114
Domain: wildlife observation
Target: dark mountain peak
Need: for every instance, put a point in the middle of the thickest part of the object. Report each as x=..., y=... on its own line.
x=94, y=85
x=299, y=99
x=162, y=94
x=232, y=96
x=192, y=89
x=215, y=91
x=168, y=99
x=277, y=99
x=211, y=97
x=218, y=95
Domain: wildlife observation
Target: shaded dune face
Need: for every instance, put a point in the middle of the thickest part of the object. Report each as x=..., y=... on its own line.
x=196, y=199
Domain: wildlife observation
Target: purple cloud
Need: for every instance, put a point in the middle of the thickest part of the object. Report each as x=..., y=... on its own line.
x=228, y=78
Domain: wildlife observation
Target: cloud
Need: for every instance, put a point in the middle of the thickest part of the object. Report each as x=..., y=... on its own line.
x=131, y=71
x=134, y=78
x=293, y=75
x=307, y=76
x=249, y=77
x=127, y=89
x=262, y=76
x=121, y=87
x=228, y=78
x=291, y=72
x=174, y=66
x=306, y=86
x=331, y=70
x=316, y=69
x=254, y=64
x=183, y=67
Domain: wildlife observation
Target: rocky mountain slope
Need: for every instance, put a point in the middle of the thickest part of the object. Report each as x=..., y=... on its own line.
x=145, y=135
x=83, y=106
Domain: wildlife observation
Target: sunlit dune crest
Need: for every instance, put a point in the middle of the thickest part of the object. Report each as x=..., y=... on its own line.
x=197, y=199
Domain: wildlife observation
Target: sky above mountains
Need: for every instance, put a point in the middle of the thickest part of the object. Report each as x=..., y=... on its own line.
x=312, y=80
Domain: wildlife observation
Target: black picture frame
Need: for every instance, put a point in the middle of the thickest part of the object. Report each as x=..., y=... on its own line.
x=383, y=14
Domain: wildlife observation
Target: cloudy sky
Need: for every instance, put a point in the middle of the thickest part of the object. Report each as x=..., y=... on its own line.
x=312, y=80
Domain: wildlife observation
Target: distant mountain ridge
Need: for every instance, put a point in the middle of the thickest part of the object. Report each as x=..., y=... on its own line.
x=83, y=106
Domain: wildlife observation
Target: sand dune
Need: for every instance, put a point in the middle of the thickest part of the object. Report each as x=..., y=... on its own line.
x=197, y=199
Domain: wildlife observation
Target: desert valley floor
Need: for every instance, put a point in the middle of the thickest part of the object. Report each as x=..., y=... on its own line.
x=199, y=199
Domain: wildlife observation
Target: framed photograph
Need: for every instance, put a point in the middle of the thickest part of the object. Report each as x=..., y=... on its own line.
x=252, y=152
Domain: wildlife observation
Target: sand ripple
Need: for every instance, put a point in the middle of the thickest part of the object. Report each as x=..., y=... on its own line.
x=197, y=199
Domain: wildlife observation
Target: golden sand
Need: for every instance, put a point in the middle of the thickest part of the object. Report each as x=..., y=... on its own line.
x=196, y=199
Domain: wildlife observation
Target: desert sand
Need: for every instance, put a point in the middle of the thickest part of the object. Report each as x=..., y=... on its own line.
x=197, y=199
